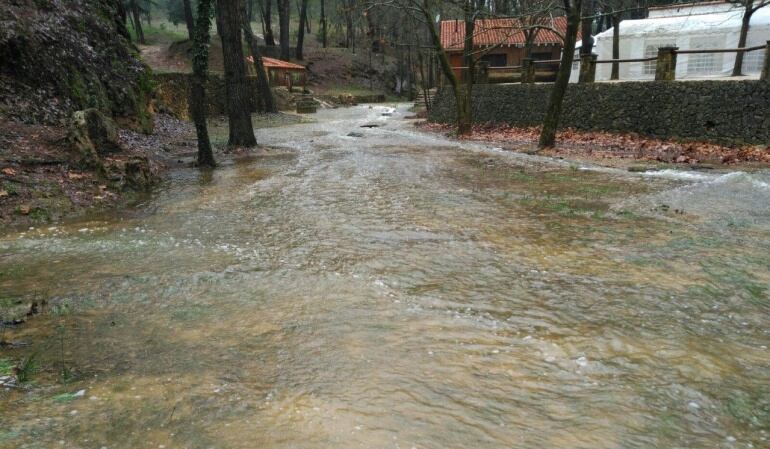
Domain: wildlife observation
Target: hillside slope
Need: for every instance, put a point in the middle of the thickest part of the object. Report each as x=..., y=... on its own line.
x=58, y=56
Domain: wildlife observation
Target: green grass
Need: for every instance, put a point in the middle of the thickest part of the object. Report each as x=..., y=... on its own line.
x=27, y=369
x=160, y=32
x=349, y=89
x=64, y=398
x=61, y=309
x=566, y=207
x=751, y=410
x=6, y=367
x=8, y=435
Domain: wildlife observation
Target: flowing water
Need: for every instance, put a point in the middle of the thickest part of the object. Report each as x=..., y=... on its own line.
x=399, y=290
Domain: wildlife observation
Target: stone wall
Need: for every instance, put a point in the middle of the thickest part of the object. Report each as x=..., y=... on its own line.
x=731, y=112
x=172, y=93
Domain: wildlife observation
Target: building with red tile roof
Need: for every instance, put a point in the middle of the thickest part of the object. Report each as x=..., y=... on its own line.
x=282, y=73
x=504, y=39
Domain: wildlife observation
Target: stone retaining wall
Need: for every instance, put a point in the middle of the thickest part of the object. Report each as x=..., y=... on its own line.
x=172, y=93
x=730, y=112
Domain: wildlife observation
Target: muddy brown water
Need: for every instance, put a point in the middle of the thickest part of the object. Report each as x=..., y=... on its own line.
x=399, y=290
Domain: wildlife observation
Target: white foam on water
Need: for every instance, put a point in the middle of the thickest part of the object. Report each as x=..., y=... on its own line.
x=735, y=195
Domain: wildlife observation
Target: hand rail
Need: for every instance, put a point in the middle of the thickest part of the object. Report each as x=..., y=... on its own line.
x=610, y=61
x=512, y=67
x=723, y=50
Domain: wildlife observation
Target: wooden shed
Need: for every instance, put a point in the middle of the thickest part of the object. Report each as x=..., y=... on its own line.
x=282, y=73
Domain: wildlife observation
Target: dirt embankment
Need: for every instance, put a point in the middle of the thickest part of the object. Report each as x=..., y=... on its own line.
x=43, y=178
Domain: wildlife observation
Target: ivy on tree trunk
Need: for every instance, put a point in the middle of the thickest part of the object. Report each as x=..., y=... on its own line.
x=200, y=63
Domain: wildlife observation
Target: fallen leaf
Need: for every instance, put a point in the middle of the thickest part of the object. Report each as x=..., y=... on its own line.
x=9, y=171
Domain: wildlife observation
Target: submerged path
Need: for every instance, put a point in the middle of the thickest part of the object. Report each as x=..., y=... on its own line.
x=391, y=289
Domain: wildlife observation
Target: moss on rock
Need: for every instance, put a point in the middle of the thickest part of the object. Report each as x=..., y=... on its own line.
x=59, y=57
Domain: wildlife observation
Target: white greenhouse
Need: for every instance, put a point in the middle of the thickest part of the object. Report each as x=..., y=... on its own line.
x=711, y=25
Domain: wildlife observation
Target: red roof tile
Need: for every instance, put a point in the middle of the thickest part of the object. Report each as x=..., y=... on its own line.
x=505, y=32
x=277, y=63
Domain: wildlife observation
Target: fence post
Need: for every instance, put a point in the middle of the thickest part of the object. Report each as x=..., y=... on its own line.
x=666, y=65
x=766, y=67
x=482, y=73
x=587, y=68
x=527, y=70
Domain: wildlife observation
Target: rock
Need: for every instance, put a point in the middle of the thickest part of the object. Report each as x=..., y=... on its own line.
x=79, y=394
x=93, y=135
x=135, y=173
x=307, y=105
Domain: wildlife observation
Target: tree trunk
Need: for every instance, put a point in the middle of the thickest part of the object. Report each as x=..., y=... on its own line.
x=349, y=30
x=267, y=21
x=200, y=64
x=136, y=16
x=553, y=114
x=587, y=26
x=239, y=101
x=301, y=31
x=323, y=23
x=738, y=67
x=266, y=100
x=284, y=17
x=465, y=121
x=446, y=67
x=188, y=18
x=615, y=46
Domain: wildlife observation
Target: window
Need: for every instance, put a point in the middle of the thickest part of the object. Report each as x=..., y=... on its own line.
x=651, y=51
x=704, y=63
x=495, y=60
x=576, y=60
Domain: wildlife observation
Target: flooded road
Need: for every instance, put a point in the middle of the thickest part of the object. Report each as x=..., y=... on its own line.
x=378, y=287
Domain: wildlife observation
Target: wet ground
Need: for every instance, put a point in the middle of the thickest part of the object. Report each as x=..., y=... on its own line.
x=376, y=287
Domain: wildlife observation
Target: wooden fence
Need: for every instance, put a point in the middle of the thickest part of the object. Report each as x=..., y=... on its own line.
x=665, y=61
x=545, y=71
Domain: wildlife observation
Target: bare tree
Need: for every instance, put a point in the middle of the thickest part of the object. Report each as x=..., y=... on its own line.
x=324, y=32
x=200, y=64
x=750, y=7
x=266, y=13
x=189, y=20
x=301, y=31
x=136, y=19
x=284, y=18
x=265, y=99
x=587, y=25
x=573, y=10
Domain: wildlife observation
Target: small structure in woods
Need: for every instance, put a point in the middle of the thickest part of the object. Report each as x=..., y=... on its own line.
x=282, y=73
x=502, y=42
x=689, y=26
